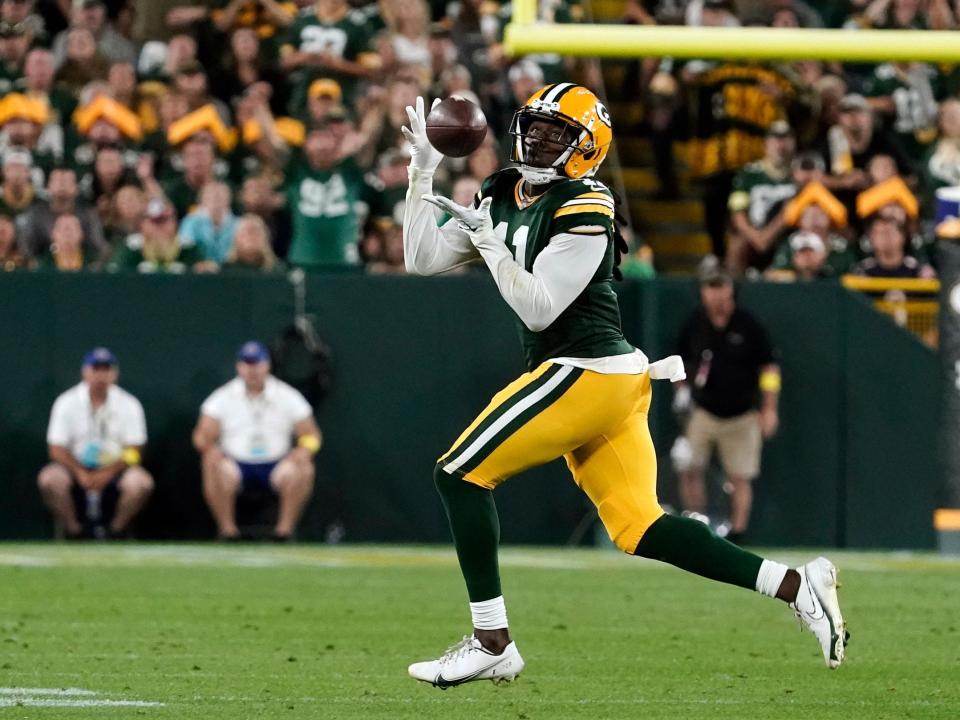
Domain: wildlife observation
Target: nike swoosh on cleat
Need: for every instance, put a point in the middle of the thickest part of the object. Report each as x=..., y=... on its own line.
x=443, y=683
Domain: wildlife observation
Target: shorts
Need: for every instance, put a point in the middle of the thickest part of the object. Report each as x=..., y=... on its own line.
x=738, y=442
x=87, y=508
x=255, y=477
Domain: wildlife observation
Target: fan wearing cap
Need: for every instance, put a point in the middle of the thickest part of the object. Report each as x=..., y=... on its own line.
x=256, y=435
x=327, y=40
x=94, y=485
x=16, y=190
x=808, y=260
x=732, y=394
x=850, y=145
x=756, y=204
x=157, y=248
x=27, y=125
x=815, y=220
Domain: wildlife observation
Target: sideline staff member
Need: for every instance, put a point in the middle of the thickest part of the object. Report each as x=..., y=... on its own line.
x=244, y=437
x=94, y=485
x=732, y=368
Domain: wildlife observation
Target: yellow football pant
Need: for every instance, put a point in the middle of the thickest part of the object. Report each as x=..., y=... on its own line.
x=597, y=422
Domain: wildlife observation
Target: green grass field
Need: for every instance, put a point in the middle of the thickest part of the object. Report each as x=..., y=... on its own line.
x=209, y=632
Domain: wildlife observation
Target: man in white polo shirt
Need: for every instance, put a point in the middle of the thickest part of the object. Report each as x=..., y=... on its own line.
x=245, y=437
x=94, y=485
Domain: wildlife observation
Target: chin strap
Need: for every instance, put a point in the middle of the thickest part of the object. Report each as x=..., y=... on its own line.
x=538, y=176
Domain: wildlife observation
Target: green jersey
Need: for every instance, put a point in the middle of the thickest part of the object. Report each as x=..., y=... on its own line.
x=328, y=207
x=347, y=38
x=915, y=92
x=760, y=191
x=590, y=326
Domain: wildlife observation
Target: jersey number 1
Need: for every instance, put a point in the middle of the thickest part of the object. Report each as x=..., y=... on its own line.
x=519, y=242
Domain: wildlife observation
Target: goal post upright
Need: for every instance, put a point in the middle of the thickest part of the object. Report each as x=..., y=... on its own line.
x=524, y=36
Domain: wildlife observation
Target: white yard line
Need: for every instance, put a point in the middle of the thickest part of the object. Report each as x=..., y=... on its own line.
x=64, y=697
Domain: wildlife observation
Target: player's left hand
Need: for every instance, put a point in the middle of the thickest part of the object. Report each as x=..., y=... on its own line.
x=475, y=222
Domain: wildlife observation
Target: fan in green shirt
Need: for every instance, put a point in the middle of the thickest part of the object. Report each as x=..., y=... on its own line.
x=326, y=40
x=327, y=197
x=158, y=249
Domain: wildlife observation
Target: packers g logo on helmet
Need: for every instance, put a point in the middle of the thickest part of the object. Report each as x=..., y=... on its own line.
x=590, y=130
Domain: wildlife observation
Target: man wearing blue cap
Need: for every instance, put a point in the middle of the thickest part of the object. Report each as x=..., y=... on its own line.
x=94, y=485
x=245, y=438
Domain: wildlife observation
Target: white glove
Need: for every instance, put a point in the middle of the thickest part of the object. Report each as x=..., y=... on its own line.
x=475, y=222
x=424, y=158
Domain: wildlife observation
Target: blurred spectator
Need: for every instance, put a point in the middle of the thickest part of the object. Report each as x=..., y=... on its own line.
x=408, y=23
x=323, y=97
x=190, y=80
x=523, y=79
x=91, y=15
x=22, y=13
x=391, y=255
x=36, y=224
x=389, y=185
x=326, y=40
x=17, y=190
x=731, y=369
x=158, y=248
x=110, y=173
x=37, y=84
x=888, y=243
x=941, y=165
x=243, y=67
x=483, y=162
x=905, y=94
x=10, y=256
x=126, y=215
x=94, y=485
x=251, y=251
x=68, y=251
x=851, y=144
x=122, y=80
x=244, y=438
x=323, y=192
x=258, y=197
x=211, y=227
x=198, y=157
x=26, y=125
x=15, y=41
x=756, y=204
x=465, y=190
x=814, y=220
x=808, y=260
x=79, y=61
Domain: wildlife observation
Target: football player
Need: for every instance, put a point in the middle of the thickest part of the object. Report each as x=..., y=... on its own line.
x=546, y=231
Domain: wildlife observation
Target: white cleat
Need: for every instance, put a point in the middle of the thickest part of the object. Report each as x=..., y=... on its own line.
x=818, y=608
x=468, y=661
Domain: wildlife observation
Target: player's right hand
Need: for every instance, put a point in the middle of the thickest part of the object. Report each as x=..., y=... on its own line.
x=423, y=156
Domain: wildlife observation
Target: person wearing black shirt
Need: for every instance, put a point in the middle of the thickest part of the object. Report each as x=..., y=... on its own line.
x=731, y=371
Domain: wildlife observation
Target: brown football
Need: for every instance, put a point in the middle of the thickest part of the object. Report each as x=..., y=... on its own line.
x=456, y=127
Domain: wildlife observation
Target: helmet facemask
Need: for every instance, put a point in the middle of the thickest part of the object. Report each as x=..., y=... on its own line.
x=543, y=143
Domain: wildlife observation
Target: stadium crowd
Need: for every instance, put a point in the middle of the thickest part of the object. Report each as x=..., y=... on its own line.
x=265, y=133
x=809, y=169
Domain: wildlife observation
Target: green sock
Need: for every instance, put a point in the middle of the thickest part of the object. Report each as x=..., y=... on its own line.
x=692, y=546
x=476, y=533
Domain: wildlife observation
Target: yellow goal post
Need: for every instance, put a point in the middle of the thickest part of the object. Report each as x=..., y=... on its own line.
x=525, y=35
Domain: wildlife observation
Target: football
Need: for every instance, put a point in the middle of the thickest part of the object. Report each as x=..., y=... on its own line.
x=456, y=127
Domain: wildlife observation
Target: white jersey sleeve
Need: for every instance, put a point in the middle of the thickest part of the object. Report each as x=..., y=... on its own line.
x=427, y=248
x=560, y=273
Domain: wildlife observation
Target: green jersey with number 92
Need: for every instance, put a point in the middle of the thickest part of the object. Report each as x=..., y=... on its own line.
x=590, y=326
